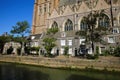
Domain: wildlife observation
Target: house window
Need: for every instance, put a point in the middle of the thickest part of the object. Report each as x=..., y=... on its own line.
x=82, y=41
x=36, y=44
x=32, y=37
x=111, y=39
x=70, y=42
x=62, y=42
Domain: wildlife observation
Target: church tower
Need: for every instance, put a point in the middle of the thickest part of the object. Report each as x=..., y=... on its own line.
x=42, y=9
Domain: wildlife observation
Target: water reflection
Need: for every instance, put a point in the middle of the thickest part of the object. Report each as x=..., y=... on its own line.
x=79, y=77
x=10, y=71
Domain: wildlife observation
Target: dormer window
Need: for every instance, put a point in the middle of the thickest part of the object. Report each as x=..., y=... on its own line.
x=115, y=30
x=33, y=37
x=111, y=39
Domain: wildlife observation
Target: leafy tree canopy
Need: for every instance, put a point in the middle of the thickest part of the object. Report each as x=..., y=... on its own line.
x=3, y=40
x=21, y=28
x=49, y=43
x=52, y=30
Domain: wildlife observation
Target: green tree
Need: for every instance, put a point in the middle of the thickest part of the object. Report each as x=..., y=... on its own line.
x=92, y=33
x=3, y=40
x=21, y=28
x=52, y=30
x=117, y=51
x=66, y=48
x=49, y=43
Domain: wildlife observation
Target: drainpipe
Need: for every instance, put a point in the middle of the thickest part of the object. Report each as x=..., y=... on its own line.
x=111, y=12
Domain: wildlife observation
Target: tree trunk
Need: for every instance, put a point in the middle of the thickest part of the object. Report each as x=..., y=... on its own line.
x=92, y=43
x=22, y=49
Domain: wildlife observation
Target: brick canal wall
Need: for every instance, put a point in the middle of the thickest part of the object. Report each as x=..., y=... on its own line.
x=111, y=63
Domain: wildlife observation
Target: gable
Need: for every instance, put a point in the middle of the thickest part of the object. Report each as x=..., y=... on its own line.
x=83, y=8
x=101, y=5
x=54, y=14
x=68, y=11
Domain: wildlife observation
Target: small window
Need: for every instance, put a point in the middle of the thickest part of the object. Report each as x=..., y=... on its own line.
x=82, y=41
x=63, y=34
x=111, y=39
x=36, y=44
x=115, y=30
x=33, y=37
x=62, y=42
x=70, y=42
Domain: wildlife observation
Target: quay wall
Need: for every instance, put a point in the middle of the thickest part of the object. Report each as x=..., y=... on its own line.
x=109, y=63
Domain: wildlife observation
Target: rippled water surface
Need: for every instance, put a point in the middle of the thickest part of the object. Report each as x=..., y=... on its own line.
x=10, y=71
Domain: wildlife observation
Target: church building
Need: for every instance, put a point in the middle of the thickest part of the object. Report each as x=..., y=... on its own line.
x=67, y=16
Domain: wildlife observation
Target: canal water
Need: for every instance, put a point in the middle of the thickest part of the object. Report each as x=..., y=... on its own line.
x=10, y=71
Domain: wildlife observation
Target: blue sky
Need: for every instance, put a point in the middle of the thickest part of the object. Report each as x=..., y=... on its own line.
x=12, y=11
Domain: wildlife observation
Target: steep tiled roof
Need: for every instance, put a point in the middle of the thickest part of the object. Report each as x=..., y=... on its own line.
x=58, y=34
x=36, y=36
x=68, y=34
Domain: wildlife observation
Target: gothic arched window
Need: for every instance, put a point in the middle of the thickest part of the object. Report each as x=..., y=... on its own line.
x=83, y=25
x=104, y=21
x=68, y=25
x=54, y=25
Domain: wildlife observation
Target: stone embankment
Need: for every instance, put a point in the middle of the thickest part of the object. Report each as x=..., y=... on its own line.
x=109, y=63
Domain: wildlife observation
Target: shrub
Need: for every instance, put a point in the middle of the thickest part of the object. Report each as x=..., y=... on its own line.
x=35, y=49
x=52, y=31
x=105, y=53
x=117, y=52
x=49, y=44
x=92, y=56
x=18, y=51
x=66, y=48
x=97, y=52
